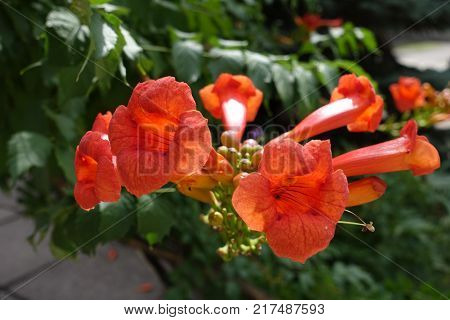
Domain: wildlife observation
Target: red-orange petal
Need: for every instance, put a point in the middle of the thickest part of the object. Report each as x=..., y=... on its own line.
x=407, y=93
x=211, y=101
x=165, y=99
x=253, y=104
x=369, y=120
x=85, y=196
x=298, y=236
x=408, y=152
x=141, y=171
x=285, y=157
x=254, y=202
x=101, y=123
x=232, y=87
x=365, y=190
x=97, y=177
x=359, y=89
x=191, y=146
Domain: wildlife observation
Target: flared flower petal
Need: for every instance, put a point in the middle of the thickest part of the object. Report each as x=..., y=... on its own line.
x=97, y=177
x=233, y=99
x=408, y=152
x=296, y=198
x=407, y=93
x=254, y=202
x=353, y=104
x=365, y=190
x=101, y=123
x=159, y=136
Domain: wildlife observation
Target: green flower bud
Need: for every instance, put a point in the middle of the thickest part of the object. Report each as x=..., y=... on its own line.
x=233, y=156
x=215, y=219
x=230, y=139
x=245, y=165
x=256, y=158
x=223, y=151
x=224, y=253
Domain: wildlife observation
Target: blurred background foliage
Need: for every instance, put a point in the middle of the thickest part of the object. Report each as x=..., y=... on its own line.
x=62, y=62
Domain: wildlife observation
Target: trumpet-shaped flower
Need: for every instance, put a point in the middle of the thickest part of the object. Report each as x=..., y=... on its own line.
x=296, y=198
x=159, y=137
x=407, y=93
x=233, y=99
x=408, y=152
x=314, y=21
x=353, y=104
x=95, y=170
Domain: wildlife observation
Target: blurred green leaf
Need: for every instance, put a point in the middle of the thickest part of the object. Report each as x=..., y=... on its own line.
x=27, y=150
x=307, y=88
x=225, y=60
x=154, y=217
x=259, y=70
x=187, y=58
x=64, y=22
x=116, y=218
x=284, y=83
x=65, y=158
x=327, y=73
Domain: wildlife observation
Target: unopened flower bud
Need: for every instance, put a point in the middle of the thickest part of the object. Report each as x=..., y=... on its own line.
x=256, y=158
x=230, y=139
x=223, y=151
x=238, y=178
x=251, y=142
x=245, y=165
x=233, y=155
x=244, y=248
x=215, y=219
x=223, y=252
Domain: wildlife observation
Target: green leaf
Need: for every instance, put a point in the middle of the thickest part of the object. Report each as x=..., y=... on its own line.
x=64, y=22
x=131, y=48
x=259, y=70
x=154, y=217
x=65, y=124
x=223, y=60
x=327, y=74
x=307, y=88
x=109, y=43
x=284, y=83
x=27, y=150
x=64, y=158
x=116, y=218
x=187, y=58
x=367, y=37
x=104, y=36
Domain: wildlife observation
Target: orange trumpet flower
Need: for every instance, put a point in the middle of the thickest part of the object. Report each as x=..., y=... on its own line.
x=95, y=170
x=160, y=136
x=314, y=21
x=408, y=93
x=234, y=99
x=408, y=152
x=365, y=190
x=296, y=198
x=353, y=104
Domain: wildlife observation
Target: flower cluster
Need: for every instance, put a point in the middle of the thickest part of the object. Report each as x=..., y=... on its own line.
x=419, y=101
x=286, y=194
